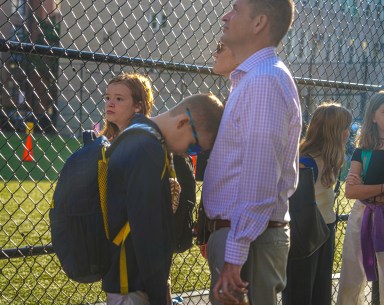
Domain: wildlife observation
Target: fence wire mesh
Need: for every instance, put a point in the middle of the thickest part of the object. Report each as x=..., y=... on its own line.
x=56, y=58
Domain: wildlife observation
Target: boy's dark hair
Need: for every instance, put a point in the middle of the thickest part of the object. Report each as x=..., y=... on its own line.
x=206, y=111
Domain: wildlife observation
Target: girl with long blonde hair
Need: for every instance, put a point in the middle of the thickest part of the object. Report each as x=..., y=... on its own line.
x=309, y=280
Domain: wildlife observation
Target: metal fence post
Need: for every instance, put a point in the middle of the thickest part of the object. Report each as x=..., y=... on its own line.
x=375, y=293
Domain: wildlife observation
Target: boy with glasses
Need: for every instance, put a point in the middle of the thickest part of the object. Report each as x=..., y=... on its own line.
x=138, y=193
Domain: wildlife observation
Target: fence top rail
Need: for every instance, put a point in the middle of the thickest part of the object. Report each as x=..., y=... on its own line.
x=337, y=84
x=30, y=48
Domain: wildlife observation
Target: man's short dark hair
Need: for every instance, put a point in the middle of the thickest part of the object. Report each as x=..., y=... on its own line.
x=280, y=14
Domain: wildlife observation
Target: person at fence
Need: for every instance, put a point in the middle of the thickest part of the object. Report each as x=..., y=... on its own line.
x=363, y=248
x=126, y=94
x=309, y=280
x=224, y=63
x=130, y=93
x=253, y=167
x=224, y=60
x=139, y=200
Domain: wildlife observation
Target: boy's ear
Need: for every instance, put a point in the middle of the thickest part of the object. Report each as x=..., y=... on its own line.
x=182, y=121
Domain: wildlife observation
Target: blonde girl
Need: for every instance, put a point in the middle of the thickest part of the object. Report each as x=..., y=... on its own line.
x=309, y=280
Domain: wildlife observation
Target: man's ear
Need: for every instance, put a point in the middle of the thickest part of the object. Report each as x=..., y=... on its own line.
x=259, y=24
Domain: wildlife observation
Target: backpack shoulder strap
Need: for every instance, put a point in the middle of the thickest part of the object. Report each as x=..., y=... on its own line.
x=145, y=128
x=308, y=161
x=365, y=158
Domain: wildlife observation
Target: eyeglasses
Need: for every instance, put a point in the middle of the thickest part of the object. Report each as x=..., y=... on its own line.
x=219, y=48
x=193, y=149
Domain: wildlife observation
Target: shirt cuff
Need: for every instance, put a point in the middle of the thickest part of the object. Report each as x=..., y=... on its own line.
x=236, y=253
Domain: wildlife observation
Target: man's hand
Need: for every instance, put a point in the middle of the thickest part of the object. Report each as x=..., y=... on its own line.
x=229, y=283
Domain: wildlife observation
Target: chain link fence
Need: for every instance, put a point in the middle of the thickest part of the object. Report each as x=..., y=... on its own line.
x=55, y=60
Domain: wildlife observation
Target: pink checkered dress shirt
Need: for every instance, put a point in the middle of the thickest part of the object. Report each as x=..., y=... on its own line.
x=253, y=167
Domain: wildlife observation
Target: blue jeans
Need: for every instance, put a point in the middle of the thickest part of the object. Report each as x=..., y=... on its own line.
x=309, y=280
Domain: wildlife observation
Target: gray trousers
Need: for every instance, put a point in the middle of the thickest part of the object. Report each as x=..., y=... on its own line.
x=265, y=268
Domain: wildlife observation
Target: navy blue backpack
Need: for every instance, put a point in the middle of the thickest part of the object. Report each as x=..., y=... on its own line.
x=307, y=227
x=78, y=214
x=78, y=217
x=77, y=228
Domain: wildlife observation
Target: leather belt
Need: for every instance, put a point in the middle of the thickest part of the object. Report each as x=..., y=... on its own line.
x=216, y=224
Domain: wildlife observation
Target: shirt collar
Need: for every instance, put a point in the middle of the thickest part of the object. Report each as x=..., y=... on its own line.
x=253, y=60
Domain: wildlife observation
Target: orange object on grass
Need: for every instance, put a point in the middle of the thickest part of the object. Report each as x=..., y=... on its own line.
x=28, y=151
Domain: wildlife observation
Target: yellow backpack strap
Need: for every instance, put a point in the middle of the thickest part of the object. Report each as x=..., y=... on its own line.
x=102, y=181
x=119, y=241
x=122, y=235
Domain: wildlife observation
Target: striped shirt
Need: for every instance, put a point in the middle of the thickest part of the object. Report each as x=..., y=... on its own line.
x=253, y=167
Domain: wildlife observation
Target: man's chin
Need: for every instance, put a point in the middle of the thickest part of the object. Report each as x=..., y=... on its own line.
x=224, y=38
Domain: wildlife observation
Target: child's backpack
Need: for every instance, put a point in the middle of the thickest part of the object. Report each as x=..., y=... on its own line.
x=78, y=216
x=308, y=228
